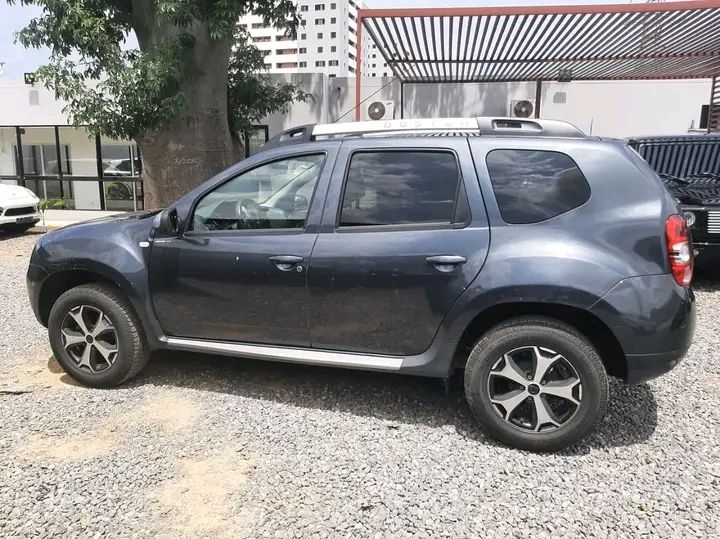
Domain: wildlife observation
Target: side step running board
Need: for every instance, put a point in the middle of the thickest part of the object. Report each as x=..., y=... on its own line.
x=295, y=355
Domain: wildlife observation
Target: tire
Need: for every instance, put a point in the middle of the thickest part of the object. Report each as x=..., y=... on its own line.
x=575, y=369
x=103, y=369
x=14, y=228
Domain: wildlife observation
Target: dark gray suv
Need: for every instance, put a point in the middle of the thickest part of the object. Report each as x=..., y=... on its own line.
x=535, y=258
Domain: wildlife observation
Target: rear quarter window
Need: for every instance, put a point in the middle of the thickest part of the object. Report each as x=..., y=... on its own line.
x=535, y=185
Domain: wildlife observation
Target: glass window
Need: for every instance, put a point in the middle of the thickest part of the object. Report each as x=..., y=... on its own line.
x=121, y=164
x=303, y=8
x=319, y=7
x=117, y=160
x=333, y=20
x=389, y=188
x=333, y=35
x=320, y=36
x=531, y=186
x=256, y=140
x=319, y=21
x=333, y=5
x=274, y=195
x=333, y=49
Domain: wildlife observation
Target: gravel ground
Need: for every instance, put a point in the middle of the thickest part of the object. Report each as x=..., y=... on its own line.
x=215, y=447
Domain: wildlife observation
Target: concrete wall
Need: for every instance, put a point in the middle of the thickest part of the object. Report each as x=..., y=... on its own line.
x=611, y=109
x=615, y=109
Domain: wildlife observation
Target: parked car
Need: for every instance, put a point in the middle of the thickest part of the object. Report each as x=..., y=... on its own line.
x=537, y=259
x=689, y=166
x=18, y=208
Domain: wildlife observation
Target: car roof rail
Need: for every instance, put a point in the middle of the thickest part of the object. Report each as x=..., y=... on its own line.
x=491, y=126
x=534, y=127
x=480, y=125
x=296, y=135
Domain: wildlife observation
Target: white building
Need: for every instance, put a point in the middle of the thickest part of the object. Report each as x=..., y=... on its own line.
x=326, y=41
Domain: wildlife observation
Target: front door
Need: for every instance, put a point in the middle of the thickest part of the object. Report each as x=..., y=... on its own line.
x=399, y=248
x=239, y=272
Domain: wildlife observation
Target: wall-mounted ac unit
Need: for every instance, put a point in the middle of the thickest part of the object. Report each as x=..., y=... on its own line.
x=521, y=108
x=380, y=110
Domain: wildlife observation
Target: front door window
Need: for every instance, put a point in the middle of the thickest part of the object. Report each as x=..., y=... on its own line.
x=272, y=196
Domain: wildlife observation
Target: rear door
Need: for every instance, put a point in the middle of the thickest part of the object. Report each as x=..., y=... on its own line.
x=404, y=232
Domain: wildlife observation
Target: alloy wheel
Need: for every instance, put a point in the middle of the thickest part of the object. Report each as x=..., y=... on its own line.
x=534, y=388
x=89, y=338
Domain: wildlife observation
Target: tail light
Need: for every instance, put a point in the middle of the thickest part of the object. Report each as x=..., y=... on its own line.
x=680, y=251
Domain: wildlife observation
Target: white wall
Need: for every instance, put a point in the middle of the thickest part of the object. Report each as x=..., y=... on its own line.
x=611, y=109
x=15, y=107
x=629, y=108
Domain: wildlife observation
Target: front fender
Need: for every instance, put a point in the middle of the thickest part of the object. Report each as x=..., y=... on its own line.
x=110, y=250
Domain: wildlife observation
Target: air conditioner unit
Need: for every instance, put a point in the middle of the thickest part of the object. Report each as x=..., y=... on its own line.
x=380, y=110
x=521, y=108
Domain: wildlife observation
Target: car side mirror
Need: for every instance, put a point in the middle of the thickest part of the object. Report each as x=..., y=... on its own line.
x=300, y=203
x=168, y=222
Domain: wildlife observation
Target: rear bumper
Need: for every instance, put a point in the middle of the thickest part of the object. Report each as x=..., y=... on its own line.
x=643, y=367
x=653, y=319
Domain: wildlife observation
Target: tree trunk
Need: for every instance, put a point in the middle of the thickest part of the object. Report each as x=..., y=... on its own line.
x=186, y=151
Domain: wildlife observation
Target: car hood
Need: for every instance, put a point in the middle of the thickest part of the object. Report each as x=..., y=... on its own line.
x=117, y=218
x=16, y=192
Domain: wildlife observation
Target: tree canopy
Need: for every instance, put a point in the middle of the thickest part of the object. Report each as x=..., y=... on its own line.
x=121, y=91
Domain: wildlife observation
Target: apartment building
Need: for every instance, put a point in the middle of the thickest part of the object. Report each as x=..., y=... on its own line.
x=326, y=41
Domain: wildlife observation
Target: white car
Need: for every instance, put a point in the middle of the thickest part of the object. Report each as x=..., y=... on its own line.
x=18, y=208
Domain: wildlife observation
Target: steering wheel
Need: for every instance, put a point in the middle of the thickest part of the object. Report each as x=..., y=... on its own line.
x=248, y=210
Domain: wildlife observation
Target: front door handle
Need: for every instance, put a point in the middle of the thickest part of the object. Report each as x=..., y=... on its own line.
x=286, y=262
x=446, y=263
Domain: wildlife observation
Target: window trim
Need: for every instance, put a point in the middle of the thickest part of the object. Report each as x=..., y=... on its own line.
x=428, y=225
x=515, y=149
x=244, y=232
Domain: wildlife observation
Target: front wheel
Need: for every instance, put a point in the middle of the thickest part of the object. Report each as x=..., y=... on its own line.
x=537, y=384
x=96, y=336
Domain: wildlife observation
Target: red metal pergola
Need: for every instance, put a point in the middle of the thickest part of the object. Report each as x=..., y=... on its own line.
x=674, y=40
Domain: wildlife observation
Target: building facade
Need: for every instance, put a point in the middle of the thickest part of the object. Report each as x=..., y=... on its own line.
x=40, y=150
x=325, y=43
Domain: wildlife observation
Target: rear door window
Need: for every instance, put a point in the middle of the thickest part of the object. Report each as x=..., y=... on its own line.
x=400, y=187
x=532, y=185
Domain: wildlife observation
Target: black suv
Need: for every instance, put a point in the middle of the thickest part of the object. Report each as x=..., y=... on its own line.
x=689, y=166
x=537, y=259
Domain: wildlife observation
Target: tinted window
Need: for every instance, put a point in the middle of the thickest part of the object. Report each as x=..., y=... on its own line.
x=388, y=188
x=274, y=195
x=531, y=186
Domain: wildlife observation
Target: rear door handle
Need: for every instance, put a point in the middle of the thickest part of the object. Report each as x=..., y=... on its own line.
x=286, y=262
x=446, y=263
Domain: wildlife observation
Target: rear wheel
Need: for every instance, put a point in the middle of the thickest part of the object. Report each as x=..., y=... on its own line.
x=96, y=337
x=535, y=383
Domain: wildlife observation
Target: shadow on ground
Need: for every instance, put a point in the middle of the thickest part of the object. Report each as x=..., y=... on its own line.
x=399, y=400
x=35, y=231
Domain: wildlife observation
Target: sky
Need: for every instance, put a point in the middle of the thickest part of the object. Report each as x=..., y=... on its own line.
x=18, y=60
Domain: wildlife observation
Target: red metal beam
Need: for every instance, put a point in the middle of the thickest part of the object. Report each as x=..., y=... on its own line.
x=714, y=108
x=537, y=10
x=358, y=63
